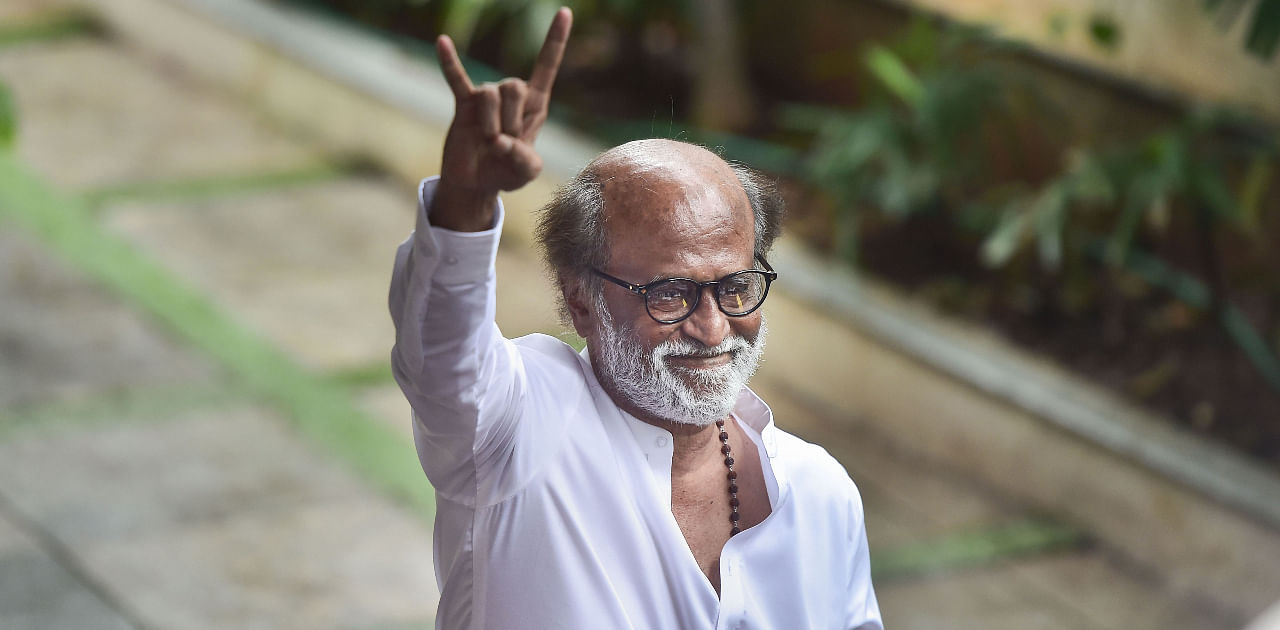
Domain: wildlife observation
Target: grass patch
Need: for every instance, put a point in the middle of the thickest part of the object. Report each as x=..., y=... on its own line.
x=48, y=27
x=218, y=186
x=364, y=376
x=320, y=409
x=133, y=405
x=974, y=549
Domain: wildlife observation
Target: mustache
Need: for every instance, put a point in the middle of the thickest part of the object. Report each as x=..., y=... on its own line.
x=690, y=348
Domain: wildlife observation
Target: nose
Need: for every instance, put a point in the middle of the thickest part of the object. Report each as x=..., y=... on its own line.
x=707, y=324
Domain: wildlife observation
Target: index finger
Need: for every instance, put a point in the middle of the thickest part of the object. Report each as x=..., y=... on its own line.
x=548, y=63
x=452, y=68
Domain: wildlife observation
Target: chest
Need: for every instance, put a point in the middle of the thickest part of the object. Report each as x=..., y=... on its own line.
x=700, y=504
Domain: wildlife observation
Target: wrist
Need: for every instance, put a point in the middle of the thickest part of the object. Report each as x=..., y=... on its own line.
x=461, y=209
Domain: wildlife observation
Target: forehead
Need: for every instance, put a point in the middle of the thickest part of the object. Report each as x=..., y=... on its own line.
x=676, y=211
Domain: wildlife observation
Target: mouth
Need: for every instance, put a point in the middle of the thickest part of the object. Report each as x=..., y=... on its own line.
x=694, y=362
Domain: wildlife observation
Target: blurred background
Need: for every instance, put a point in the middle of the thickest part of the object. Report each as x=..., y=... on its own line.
x=1030, y=291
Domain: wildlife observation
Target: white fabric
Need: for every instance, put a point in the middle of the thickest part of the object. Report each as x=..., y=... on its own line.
x=553, y=505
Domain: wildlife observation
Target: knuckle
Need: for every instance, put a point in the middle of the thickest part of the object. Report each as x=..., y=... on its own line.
x=513, y=86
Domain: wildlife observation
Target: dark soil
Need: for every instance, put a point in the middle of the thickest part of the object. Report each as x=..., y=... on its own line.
x=1131, y=338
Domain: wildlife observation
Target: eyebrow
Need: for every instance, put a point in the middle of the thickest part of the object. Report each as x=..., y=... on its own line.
x=660, y=277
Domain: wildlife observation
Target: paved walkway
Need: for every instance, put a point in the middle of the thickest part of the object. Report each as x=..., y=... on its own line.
x=198, y=428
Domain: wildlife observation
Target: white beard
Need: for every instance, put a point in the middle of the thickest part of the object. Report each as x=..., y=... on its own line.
x=697, y=397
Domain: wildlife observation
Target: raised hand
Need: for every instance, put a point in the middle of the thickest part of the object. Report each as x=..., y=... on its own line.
x=489, y=147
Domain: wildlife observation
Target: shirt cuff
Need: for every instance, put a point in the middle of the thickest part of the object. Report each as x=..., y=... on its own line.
x=464, y=257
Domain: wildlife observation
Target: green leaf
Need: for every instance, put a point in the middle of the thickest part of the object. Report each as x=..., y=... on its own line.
x=1252, y=188
x=1087, y=181
x=1264, y=29
x=1003, y=242
x=1145, y=194
x=920, y=44
x=1262, y=36
x=906, y=186
x=1209, y=188
x=894, y=75
x=1104, y=31
x=1050, y=214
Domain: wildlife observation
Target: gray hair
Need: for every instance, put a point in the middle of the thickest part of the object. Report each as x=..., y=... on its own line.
x=571, y=229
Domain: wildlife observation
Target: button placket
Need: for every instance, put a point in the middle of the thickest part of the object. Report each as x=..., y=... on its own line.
x=732, y=608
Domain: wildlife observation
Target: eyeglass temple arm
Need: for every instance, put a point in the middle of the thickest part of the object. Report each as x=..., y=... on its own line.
x=636, y=289
x=767, y=267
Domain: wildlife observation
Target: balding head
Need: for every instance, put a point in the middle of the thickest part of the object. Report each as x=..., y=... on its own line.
x=649, y=189
x=659, y=194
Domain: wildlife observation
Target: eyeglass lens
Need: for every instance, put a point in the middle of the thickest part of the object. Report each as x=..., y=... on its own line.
x=737, y=294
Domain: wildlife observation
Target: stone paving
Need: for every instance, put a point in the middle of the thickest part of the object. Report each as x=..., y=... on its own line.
x=142, y=487
x=63, y=339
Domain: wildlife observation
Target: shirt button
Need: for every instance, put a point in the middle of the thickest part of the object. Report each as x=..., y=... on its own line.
x=450, y=260
x=662, y=441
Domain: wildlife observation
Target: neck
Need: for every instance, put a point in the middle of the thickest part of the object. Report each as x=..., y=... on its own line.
x=692, y=445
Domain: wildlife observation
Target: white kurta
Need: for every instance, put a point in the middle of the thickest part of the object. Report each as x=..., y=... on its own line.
x=554, y=506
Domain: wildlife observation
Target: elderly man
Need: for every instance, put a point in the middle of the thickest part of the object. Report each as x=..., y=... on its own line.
x=638, y=484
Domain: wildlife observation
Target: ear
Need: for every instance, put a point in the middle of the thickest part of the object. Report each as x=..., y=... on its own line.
x=579, y=310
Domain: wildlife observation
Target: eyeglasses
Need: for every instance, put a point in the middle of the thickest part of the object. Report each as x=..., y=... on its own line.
x=672, y=300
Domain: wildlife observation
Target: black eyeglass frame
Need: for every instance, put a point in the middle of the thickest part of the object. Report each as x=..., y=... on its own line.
x=642, y=290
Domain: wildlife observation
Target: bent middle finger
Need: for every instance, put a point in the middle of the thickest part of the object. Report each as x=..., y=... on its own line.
x=487, y=101
x=513, y=92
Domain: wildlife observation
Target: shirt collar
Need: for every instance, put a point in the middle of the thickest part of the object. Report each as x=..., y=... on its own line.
x=749, y=408
x=655, y=443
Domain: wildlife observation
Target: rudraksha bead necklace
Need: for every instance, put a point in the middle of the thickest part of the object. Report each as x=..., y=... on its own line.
x=733, y=477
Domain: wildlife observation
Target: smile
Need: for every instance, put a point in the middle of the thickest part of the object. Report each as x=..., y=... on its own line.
x=693, y=362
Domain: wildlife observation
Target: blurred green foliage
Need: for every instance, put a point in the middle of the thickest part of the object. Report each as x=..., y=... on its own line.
x=1262, y=36
x=519, y=24
x=1104, y=31
x=947, y=127
x=8, y=118
x=940, y=109
x=917, y=145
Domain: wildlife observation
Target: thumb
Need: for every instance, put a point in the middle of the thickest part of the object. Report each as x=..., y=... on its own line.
x=522, y=165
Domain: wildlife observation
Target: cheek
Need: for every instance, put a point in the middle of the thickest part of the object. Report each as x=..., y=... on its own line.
x=747, y=327
x=650, y=334
x=629, y=312
x=633, y=322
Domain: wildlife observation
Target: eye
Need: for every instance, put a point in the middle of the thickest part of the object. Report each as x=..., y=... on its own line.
x=671, y=296
x=736, y=286
x=667, y=292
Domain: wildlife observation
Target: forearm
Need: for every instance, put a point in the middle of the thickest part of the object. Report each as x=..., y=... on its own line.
x=441, y=288
x=449, y=359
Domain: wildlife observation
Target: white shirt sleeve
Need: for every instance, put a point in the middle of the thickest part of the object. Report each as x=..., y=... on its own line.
x=863, y=611
x=463, y=380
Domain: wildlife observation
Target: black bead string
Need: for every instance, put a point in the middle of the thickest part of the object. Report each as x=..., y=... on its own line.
x=733, y=478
